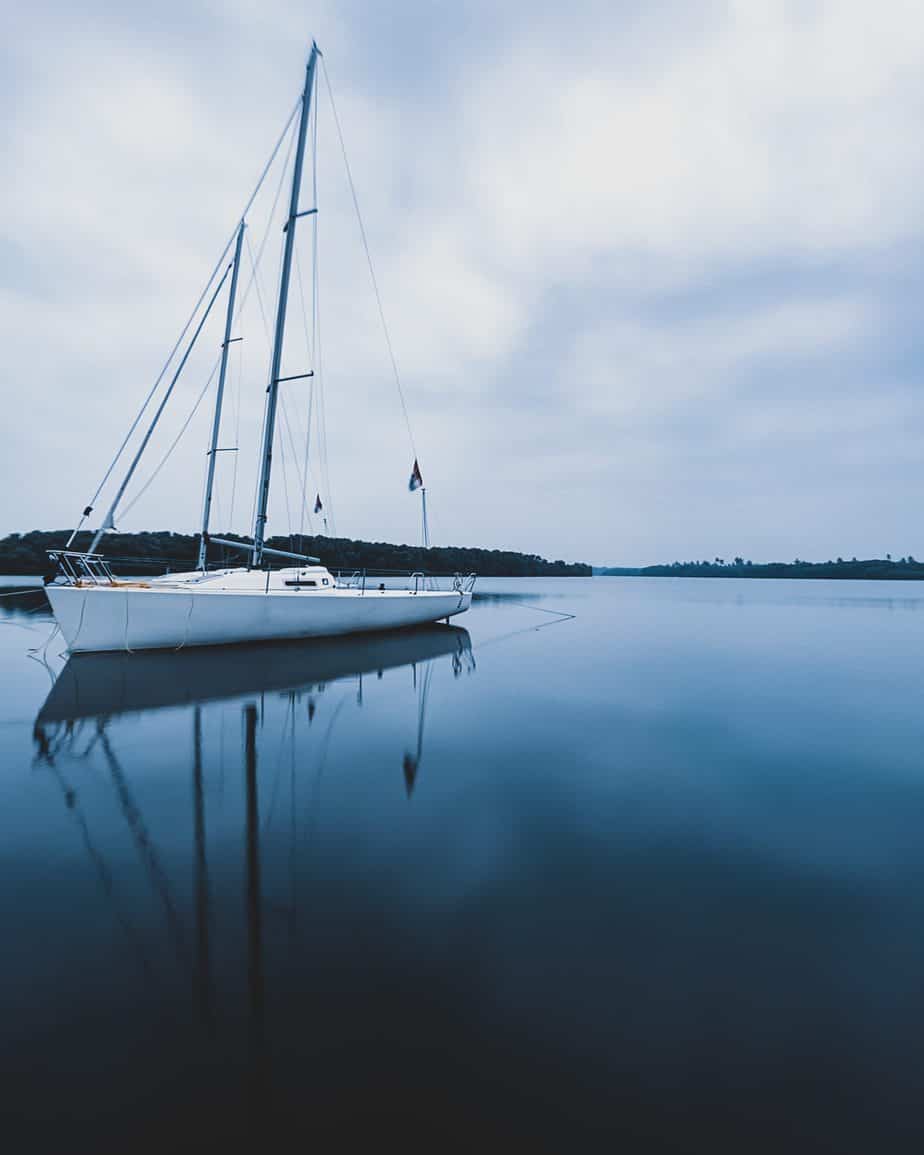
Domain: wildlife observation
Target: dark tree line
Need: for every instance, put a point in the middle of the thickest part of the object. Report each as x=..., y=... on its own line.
x=26, y=554
x=905, y=568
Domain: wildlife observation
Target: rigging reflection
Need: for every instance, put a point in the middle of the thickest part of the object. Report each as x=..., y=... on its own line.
x=411, y=763
x=78, y=725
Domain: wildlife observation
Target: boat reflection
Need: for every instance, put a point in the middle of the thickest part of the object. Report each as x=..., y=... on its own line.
x=94, y=690
x=106, y=685
x=78, y=728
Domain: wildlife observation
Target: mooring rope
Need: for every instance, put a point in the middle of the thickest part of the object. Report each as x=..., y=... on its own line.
x=192, y=601
x=127, y=646
x=538, y=609
x=83, y=610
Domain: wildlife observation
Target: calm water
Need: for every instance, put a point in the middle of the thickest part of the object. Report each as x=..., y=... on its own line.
x=653, y=873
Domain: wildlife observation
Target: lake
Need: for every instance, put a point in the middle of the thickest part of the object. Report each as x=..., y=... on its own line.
x=647, y=877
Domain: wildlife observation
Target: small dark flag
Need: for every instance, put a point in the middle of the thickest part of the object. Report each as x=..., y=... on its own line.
x=317, y=504
x=416, y=481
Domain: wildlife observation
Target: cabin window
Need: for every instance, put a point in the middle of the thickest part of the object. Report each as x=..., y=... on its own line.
x=302, y=582
x=324, y=582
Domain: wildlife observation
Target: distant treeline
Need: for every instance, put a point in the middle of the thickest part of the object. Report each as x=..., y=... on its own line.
x=26, y=554
x=905, y=568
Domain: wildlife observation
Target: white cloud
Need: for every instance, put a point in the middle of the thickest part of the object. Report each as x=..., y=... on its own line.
x=564, y=219
x=643, y=368
x=772, y=128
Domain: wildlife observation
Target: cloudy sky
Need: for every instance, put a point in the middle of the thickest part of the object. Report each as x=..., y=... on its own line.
x=653, y=272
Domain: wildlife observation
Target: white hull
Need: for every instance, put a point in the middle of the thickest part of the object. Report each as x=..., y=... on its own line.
x=189, y=610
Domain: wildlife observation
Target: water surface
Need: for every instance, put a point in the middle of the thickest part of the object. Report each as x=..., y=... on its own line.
x=646, y=876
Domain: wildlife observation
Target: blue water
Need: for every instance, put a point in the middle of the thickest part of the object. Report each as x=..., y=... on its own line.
x=645, y=878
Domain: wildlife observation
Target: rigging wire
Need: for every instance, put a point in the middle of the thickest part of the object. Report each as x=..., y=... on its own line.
x=237, y=421
x=255, y=262
x=311, y=358
x=285, y=475
x=243, y=300
x=256, y=484
x=186, y=327
x=254, y=283
x=250, y=284
x=372, y=276
x=286, y=419
x=109, y=521
x=269, y=342
x=166, y=457
x=288, y=427
x=324, y=460
x=256, y=487
x=322, y=423
x=216, y=498
x=310, y=336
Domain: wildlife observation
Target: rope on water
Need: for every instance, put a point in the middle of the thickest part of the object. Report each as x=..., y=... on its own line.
x=560, y=614
x=39, y=654
x=18, y=625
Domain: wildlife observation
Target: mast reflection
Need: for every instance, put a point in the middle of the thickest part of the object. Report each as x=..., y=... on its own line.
x=254, y=903
x=201, y=882
x=80, y=723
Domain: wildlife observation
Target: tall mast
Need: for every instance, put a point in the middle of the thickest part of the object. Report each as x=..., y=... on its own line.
x=272, y=390
x=216, y=423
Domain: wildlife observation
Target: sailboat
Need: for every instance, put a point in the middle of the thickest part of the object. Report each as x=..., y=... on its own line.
x=98, y=611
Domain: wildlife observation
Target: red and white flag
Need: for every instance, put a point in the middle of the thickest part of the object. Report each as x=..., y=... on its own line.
x=317, y=504
x=416, y=481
